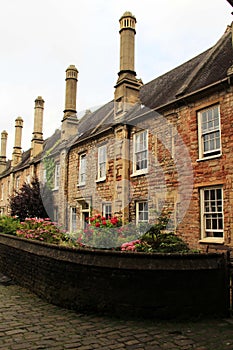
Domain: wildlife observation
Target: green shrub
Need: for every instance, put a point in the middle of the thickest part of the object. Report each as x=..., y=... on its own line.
x=9, y=224
x=156, y=239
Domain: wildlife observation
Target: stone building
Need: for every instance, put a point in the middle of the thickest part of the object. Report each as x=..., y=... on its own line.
x=165, y=146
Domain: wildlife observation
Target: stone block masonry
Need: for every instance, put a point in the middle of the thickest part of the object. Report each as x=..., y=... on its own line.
x=118, y=283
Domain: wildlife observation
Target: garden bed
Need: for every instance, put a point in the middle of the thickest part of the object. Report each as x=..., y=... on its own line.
x=119, y=283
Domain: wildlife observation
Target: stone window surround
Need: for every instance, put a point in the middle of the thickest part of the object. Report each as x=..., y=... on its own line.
x=137, y=203
x=144, y=170
x=105, y=209
x=82, y=169
x=56, y=176
x=102, y=162
x=199, y=112
x=204, y=238
x=73, y=219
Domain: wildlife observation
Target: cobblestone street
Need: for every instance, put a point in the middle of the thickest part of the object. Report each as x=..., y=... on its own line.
x=28, y=322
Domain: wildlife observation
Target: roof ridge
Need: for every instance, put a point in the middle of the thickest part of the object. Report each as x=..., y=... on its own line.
x=210, y=54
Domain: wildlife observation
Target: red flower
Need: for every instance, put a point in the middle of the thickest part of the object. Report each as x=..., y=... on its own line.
x=104, y=222
x=114, y=220
x=92, y=219
x=103, y=218
x=97, y=224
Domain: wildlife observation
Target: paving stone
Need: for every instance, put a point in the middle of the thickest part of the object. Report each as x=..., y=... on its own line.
x=29, y=323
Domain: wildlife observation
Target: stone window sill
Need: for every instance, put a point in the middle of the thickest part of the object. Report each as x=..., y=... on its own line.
x=209, y=158
x=139, y=173
x=55, y=189
x=82, y=184
x=101, y=180
x=212, y=240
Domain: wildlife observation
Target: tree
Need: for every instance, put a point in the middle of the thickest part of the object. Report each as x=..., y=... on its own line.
x=31, y=201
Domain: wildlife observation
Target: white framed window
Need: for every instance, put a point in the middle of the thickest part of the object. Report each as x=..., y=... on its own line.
x=142, y=213
x=107, y=210
x=209, y=133
x=82, y=169
x=73, y=219
x=44, y=176
x=212, y=226
x=55, y=214
x=140, y=149
x=85, y=213
x=17, y=183
x=57, y=176
x=2, y=192
x=102, y=160
x=28, y=179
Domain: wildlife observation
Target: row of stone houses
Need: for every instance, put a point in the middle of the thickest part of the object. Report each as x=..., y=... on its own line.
x=165, y=146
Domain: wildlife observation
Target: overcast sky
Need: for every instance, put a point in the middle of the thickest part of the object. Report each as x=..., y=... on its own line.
x=40, y=39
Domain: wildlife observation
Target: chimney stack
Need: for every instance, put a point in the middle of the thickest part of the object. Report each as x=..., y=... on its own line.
x=3, y=151
x=127, y=86
x=37, y=135
x=17, y=149
x=70, y=121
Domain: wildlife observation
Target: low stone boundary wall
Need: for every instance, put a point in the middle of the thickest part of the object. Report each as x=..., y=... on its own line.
x=119, y=283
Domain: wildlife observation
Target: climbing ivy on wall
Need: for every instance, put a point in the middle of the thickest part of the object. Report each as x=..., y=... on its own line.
x=49, y=166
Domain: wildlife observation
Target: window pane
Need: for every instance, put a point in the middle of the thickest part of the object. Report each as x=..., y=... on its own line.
x=82, y=170
x=107, y=210
x=141, y=151
x=142, y=212
x=210, y=126
x=102, y=156
x=213, y=212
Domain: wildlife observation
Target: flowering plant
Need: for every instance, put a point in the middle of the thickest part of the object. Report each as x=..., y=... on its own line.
x=101, y=221
x=43, y=230
x=100, y=232
x=107, y=233
x=130, y=246
x=156, y=239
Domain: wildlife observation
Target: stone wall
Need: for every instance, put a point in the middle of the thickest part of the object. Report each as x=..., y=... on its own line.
x=209, y=172
x=119, y=283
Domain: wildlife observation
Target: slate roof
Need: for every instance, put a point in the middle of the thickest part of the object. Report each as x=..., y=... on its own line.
x=95, y=122
x=203, y=70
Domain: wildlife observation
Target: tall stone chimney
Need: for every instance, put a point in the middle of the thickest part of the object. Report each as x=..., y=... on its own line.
x=70, y=121
x=17, y=149
x=3, y=151
x=127, y=86
x=37, y=135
